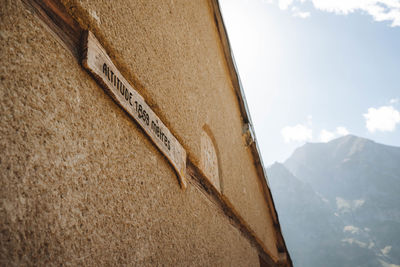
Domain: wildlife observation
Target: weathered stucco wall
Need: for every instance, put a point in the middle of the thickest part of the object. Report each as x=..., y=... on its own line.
x=173, y=51
x=80, y=181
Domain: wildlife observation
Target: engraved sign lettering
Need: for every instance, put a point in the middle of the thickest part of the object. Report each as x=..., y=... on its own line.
x=99, y=64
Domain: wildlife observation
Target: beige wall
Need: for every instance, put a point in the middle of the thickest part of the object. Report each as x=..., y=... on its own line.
x=81, y=182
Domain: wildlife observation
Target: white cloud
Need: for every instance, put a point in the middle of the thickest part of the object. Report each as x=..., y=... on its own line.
x=302, y=15
x=382, y=119
x=341, y=131
x=326, y=136
x=394, y=101
x=380, y=10
x=298, y=133
x=341, y=6
x=284, y=4
x=309, y=120
x=296, y=12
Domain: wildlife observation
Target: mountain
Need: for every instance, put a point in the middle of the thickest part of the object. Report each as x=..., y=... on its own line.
x=339, y=203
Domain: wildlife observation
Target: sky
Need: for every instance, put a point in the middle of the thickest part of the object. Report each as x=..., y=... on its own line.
x=315, y=70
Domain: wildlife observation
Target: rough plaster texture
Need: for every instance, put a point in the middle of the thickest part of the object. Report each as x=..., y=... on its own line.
x=81, y=183
x=173, y=55
x=209, y=160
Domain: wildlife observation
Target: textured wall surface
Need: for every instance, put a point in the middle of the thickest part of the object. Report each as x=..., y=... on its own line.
x=80, y=182
x=173, y=51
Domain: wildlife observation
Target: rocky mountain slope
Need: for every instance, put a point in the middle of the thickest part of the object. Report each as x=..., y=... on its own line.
x=339, y=203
